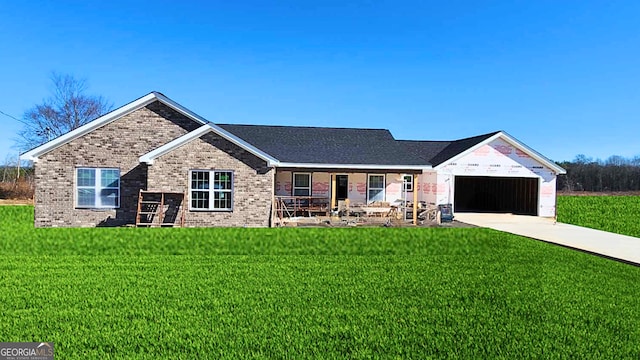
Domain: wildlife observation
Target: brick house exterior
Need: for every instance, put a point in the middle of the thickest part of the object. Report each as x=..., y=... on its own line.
x=118, y=144
x=230, y=174
x=253, y=180
x=121, y=142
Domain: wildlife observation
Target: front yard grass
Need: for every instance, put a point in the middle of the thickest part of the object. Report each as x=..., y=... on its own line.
x=310, y=293
x=618, y=214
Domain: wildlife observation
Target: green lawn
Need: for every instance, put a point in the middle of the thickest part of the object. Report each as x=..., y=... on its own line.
x=310, y=293
x=617, y=214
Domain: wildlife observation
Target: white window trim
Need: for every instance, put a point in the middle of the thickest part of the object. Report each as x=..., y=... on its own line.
x=97, y=186
x=407, y=186
x=211, y=190
x=384, y=190
x=293, y=183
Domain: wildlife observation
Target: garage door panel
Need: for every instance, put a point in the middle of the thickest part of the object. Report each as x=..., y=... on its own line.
x=496, y=194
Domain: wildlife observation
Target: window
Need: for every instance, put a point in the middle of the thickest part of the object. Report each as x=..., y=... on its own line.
x=211, y=190
x=376, y=188
x=301, y=184
x=97, y=188
x=408, y=183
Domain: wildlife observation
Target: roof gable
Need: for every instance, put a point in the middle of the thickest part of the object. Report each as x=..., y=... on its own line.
x=531, y=152
x=523, y=148
x=438, y=153
x=149, y=157
x=107, y=118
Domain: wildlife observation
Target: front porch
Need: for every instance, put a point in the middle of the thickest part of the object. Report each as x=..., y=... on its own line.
x=383, y=196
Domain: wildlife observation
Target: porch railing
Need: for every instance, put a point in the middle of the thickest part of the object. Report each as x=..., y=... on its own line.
x=290, y=206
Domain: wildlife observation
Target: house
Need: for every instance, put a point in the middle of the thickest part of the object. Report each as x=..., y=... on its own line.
x=231, y=175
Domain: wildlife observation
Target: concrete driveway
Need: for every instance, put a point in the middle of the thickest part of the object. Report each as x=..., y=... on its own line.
x=622, y=247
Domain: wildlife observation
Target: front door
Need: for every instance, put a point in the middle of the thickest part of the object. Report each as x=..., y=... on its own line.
x=342, y=187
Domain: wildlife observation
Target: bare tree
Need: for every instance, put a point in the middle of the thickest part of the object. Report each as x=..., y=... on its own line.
x=68, y=108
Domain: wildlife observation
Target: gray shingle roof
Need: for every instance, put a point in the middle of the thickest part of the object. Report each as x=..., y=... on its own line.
x=323, y=145
x=437, y=152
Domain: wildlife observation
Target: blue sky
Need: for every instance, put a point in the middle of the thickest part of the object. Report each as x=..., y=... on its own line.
x=561, y=76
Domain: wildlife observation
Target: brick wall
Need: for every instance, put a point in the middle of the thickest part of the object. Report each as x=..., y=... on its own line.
x=118, y=144
x=252, y=180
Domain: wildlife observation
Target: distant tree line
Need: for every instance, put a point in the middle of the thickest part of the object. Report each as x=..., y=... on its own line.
x=616, y=173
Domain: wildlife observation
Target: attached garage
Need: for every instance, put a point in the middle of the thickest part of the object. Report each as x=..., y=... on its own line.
x=517, y=195
x=491, y=173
